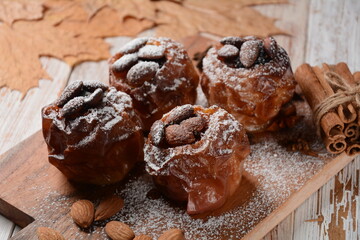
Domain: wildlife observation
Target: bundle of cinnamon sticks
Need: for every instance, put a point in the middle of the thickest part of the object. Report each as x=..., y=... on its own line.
x=333, y=94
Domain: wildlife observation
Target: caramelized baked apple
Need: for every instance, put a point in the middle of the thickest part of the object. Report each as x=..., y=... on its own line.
x=93, y=133
x=196, y=154
x=249, y=77
x=157, y=73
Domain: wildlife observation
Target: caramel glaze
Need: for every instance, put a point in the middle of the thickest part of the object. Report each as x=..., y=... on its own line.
x=255, y=94
x=98, y=144
x=173, y=84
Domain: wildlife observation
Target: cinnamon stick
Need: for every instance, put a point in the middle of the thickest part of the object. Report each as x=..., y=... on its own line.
x=347, y=112
x=336, y=144
x=333, y=94
x=357, y=77
x=352, y=131
x=316, y=91
x=353, y=149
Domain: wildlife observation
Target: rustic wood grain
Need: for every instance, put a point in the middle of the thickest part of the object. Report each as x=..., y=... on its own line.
x=333, y=33
x=332, y=22
x=6, y=227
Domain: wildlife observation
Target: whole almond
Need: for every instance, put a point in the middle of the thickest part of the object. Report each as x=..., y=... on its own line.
x=178, y=114
x=172, y=234
x=249, y=52
x=119, y=231
x=45, y=233
x=108, y=207
x=82, y=212
x=228, y=51
x=178, y=135
x=143, y=237
x=270, y=47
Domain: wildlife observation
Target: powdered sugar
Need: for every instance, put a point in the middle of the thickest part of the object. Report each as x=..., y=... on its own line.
x=272, y=172
x=277, y=172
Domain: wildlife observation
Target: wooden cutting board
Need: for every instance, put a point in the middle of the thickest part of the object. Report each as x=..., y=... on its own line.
x=276, y=181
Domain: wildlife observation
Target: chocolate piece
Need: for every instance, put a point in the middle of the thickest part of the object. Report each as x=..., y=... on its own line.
x=73, y=106
x=270, y=47
x=236, y=41
x=180, y=114
x=151, y=52
x=125, y=62
x=93, y=85
x=249, y=52
x=142, y=72
x=70, y=92
x=228, y=51
x=178, y=135
x=157, y=132
x=133, y=45
x=94, y=98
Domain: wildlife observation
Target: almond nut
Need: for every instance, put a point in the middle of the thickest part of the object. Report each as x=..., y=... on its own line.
x=119, y=231
x=143, y=237
x=178, y=114
x=249, y=52
x=228, y=51
x=157, y=132
x=45, y=233
x=108, y=207
x=194, y=124
x=172, y=234
x=178, y=135
x=236, y=41
x=270, y=47
x=82, y=212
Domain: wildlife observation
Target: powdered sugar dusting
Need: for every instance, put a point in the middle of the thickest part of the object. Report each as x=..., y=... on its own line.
x=274, y=172
x=278, y=174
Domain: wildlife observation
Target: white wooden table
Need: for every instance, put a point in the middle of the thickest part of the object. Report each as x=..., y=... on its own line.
x=320, y=31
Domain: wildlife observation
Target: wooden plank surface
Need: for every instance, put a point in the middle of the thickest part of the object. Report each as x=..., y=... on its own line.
x=275, y=182
x=323, y=31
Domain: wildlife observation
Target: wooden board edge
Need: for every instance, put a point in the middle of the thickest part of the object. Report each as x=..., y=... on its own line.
x=14, y=214
x=297, y=198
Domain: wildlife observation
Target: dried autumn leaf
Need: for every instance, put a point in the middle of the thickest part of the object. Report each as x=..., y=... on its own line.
x=177, y=21
x=20, y=68
x=140, y=9
x=105, y=23
x=10, y=11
